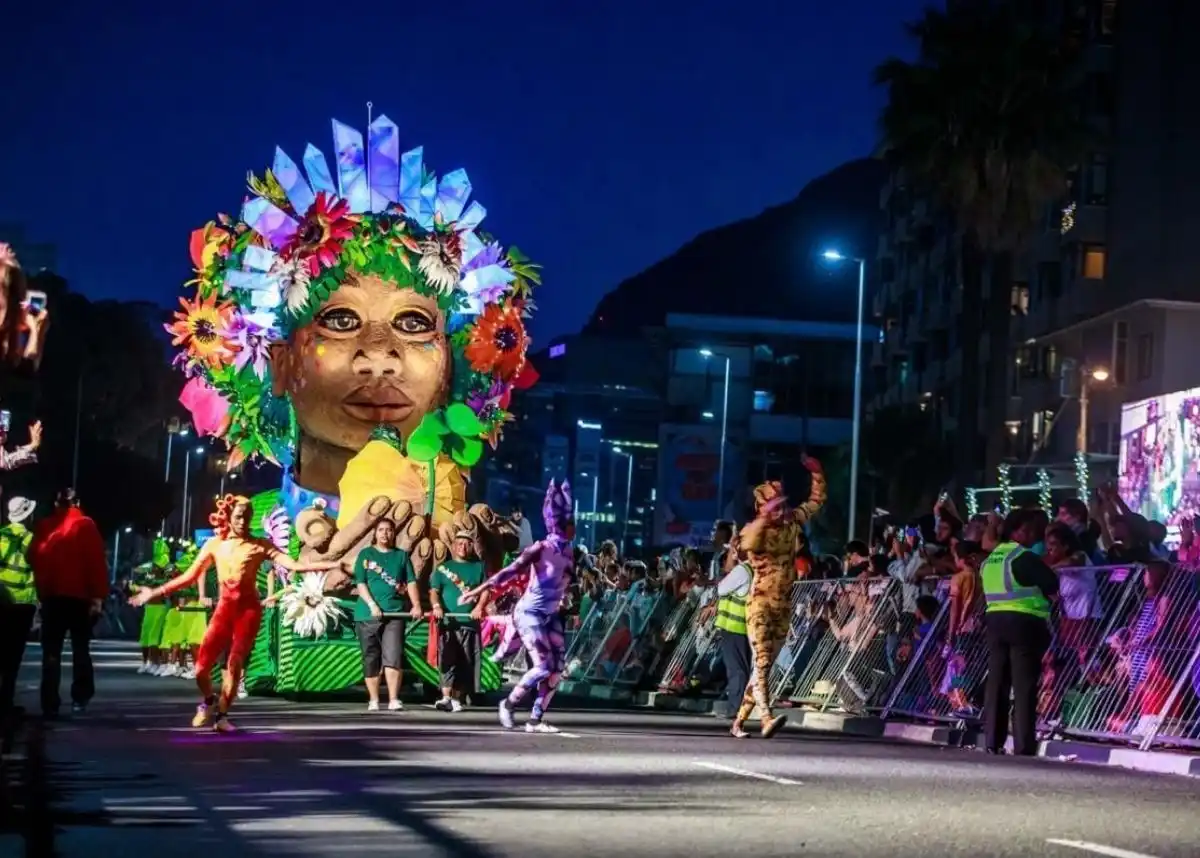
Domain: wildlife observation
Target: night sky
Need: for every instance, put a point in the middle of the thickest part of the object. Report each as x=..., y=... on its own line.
x=600, y=138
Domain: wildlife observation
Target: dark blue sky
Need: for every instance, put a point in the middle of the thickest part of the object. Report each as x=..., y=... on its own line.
x=600, y=138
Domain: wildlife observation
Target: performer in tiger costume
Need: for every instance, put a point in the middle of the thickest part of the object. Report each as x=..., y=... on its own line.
x=770, y=544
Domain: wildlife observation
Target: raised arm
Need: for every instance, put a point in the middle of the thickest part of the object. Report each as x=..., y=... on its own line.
x=280, y=558
x=521, y=563
x=185, y=579
x=816, y=494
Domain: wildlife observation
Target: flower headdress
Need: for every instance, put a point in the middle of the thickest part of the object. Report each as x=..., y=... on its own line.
x=225, y=507
x=558, y=509
x=300, y=234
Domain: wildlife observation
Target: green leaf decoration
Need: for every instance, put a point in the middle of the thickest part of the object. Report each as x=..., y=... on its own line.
x=424, y=444
x=467, y=452
x=434, y=423
x=463, y=422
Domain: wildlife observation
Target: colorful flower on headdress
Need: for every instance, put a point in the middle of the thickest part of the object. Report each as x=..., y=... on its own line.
x=486, y=402
x=295, y=283
x=253, y=346
x=498, y=341
x=209, y=409
x=202, y=328
x=440, y=260
x=318, y=241
x=209, y=242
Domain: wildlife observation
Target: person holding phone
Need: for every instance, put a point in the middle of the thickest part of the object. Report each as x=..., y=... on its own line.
x=12, y=459
x=23, y=314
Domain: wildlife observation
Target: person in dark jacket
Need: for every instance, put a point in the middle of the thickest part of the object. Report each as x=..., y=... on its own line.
x=70, y=572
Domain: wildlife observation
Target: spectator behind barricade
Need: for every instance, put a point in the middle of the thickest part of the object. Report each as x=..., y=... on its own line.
x=71, y=574
x=1074, y=514
x=688, y=577
x=908, y=566
x=1078, y=590
x=524, y=529
x=858, y=560
x=1156, y=532
x=965, y=651
x=607, y=556
x=1141, y=646
x=722, y=536
x=1189, y=549
x=1124, y=532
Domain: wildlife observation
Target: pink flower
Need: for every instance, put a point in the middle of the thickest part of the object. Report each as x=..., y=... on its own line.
x=210, y=410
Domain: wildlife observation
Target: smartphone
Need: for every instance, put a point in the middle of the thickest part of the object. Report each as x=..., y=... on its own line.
x=5, y=420
x=35, y=300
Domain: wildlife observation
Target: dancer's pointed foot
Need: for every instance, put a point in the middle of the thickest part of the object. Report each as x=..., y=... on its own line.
x=506, y=715
x=771, y=725
x=540, y=727
x=203, y=716
x=223, y=724
x=737, y=732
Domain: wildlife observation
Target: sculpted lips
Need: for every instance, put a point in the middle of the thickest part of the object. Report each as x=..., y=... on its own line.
x=378, y=404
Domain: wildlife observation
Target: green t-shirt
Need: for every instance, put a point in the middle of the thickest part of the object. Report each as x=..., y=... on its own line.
x=385, y=573
x=469, y=573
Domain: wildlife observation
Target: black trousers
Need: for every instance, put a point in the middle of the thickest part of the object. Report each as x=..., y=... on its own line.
x=735, y=653
x=458, y=656
x=15, y=623
x=62, y=617
x=1016, y=645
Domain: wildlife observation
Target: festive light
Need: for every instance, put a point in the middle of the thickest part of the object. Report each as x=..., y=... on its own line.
x=1044, y=499
x=1068, y=219
x=1082, y=477
x=972, y=503
x=1005, y=488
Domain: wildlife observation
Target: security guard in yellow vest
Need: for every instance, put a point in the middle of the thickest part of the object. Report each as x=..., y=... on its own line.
x=733, y=588
x=1018, y=588
x=18, y=598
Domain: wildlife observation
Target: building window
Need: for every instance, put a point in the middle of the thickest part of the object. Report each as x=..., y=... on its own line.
x=1145, y=356
x=1096, y=180
x=1050, y=362
x=1094, y=259
x=1120, y=351
x=1020, y=299
x=1043, y=422
x=763, y=400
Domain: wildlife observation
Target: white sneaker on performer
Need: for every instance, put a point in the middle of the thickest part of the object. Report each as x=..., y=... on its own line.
x=456, y=706
x=242, y=692
x=146, y=667
x=171, y=670
x=395, y=706
x=373, y=706
x=190, y=673
x=224, y=725
x=506, y=715
x=444, y=705
x=540, y=727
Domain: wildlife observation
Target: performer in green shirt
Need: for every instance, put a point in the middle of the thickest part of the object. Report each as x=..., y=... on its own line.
x=458, y=637
x=383, y=574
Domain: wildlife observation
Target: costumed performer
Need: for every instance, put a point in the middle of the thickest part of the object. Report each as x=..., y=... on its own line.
x=344, y=298
x=550, y=565
x=770, y=544
x=237, y=557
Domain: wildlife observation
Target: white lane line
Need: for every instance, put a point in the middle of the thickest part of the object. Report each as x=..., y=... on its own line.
x=1098, y=848
x=351, y=727
x=745, y=773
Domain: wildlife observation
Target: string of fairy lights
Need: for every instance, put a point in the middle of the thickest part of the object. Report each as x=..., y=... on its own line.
x=1045, y=487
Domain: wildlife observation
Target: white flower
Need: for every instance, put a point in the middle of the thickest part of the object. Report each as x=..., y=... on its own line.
x=439, y=265
x=294, y=279
x=307, y=610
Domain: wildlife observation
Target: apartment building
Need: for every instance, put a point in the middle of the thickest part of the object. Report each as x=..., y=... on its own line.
x=1111, y=287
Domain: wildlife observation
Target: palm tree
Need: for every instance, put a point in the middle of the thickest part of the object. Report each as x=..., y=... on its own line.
x=985, y=125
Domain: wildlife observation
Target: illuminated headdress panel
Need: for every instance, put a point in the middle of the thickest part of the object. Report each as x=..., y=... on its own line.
x=300, y=235
x=558, y=508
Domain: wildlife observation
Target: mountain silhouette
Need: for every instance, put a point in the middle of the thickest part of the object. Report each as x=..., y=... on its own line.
x=769, y=265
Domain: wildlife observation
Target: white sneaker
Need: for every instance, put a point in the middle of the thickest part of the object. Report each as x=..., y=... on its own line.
x=145, y=668
x=242, y=692
x=373, y=706
x=506, y=715
x=540, y=727
x=395, y=706
x=190, y=673
x=456, y=706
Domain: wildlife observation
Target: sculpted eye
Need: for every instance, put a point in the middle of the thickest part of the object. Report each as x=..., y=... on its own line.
x=340, y=320
x=412, y=322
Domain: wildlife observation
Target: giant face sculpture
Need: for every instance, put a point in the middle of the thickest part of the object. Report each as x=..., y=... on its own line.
x=334, y=310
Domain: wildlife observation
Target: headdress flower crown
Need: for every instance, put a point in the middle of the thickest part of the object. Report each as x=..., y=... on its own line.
x=299, y=236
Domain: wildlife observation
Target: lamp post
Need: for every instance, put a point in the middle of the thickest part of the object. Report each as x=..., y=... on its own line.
x=186, y=514
x=835, y=256
x=706, y=354
x=1099, y=374
x=628, y=495
x=117, y=551
x=173, y=429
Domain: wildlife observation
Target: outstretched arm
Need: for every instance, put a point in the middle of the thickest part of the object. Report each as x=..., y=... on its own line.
x=521, y=563
x=199, y=566
x=816, y=495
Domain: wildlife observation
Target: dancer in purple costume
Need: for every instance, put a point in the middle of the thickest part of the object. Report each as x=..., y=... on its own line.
x=550, y=562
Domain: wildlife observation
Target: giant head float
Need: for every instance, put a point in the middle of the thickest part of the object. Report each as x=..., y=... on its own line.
x=357, y=328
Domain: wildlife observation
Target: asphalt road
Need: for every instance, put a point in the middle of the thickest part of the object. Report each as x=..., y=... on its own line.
x=332, y=780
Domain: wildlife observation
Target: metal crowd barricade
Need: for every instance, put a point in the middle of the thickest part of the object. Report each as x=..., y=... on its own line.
x=840, y=644
x=691, y=642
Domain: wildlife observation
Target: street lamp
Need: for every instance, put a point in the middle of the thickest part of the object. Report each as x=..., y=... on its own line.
x=1087, y=376
x=706, y=354
x=185, y=514
x=117, y=551
x=173, y=428
x=835, y=256
x=628, y=494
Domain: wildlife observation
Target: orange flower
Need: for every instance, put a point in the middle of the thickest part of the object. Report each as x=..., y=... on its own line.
x=202, y=328
x=318, y=241
x=498, y=341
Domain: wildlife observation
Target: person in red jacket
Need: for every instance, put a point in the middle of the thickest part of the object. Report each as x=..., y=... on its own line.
x=70, y=572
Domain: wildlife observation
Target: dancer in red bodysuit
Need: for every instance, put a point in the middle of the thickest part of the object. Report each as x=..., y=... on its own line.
x=237, y=556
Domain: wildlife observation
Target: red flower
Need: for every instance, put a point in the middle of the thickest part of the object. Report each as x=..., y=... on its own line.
x=318, y=241
x=498, y=341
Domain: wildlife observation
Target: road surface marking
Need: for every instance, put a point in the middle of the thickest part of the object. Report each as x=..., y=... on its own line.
x=1099, y=849
x=745, y=773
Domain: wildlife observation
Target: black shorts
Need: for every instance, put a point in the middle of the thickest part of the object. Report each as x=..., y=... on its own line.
x=382, y=642
x=458, y=656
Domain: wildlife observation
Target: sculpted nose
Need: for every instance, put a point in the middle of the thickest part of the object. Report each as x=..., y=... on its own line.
x=378, y=355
